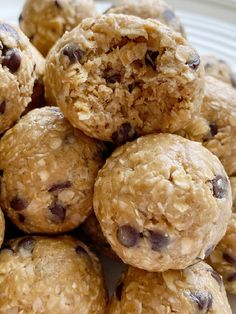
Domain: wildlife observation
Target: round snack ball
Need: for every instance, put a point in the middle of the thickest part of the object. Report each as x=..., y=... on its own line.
x=17, y=75
x=50, y=275
x=2, y=227
x=155, y=9
x=49, y=169
x=223, y=258
x=152, y=198
x=215, y=126
x=219, y=69
x=45, y=21
x=92, y=229
x=117, y=76
x=196, y=289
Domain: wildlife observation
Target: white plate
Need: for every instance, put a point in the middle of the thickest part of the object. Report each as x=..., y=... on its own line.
x=211, y=27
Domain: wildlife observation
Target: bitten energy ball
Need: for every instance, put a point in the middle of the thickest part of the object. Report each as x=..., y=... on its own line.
x=219, y=69
x=50, y=275
x=215, y=127
x=117, y=76
x=45, y=21
x=48, y=172
x=152, y=198
x=155, y=9
x=223, y=258
x=197, y=289
x=2, y=227
x=17, y=75
x=92, y=229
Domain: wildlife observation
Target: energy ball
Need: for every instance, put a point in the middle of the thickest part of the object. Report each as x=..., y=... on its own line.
x=96, y=238
x=219, y=69
x=48, y=172
x=45, y=21
x=50, y=275
x=116, y=77
x=223, y=258
x=215, y=126
x=163, y=202
x=155, y=9
x=196, y=289
x=17, y=75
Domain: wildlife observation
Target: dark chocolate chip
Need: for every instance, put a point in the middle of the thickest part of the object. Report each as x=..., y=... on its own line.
x=213, y=129
x=1, y=173
x=124, y=134
x=119, y=289
x=209, y=251
x=18, y=204
x=60, y=186
x=57, y=4
x=194, y=62
x=2, y=107
x=127, y=236
x=112, y=79
x=216, y=276
x=27, y=243
x=73, y=52
x=222, y=61
x=159, y=240
x=58, y=213
x=203, y=299
x=169, y=15
x=220, y=186
x=150, y=58
x=12, y=60
x=6, y=28
x=231, y=277
x=21, y=218
x=20, y=19
x=37, y=98
x=233, y=79
x=131, y=87
x=229, y=258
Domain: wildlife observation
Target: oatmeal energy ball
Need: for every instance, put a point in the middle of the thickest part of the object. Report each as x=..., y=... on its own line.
x=50, y=275
x=48, y=172
x=17, y=75
x=215, y=126
x=196, y=289
x=155, y=9
x=152, y=198
x=45, y=21
x=117, y=76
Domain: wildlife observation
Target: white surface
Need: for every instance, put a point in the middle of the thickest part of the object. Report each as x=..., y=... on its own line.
x=211, y=27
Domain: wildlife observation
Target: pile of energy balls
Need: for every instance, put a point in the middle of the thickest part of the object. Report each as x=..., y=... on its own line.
x=119, y=143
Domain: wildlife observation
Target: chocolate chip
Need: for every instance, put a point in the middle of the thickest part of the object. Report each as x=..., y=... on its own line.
x=209, y=251
x=124, y=134
x=203, y=299
x=233, y=79
x=150, y=58
x=131, y=87
x=220, y=186
x=12, y=60
x=27, y=243
x=57, y=4
x=112, y=79
x=159, y=240
x=119, y=289
x=60, y=186
x=37, y=97
x=21, y=218
x=213, y=129
x=231, y=277
x=20, y=19
x=6, y=28
x=58, y=213
x=229, y=258
x=2, y=107
x=18, y=204
x=1, y=173
x=73, y=52
x=169, y=15
x=194, y=62
x=127, y=236
x=216, y=276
